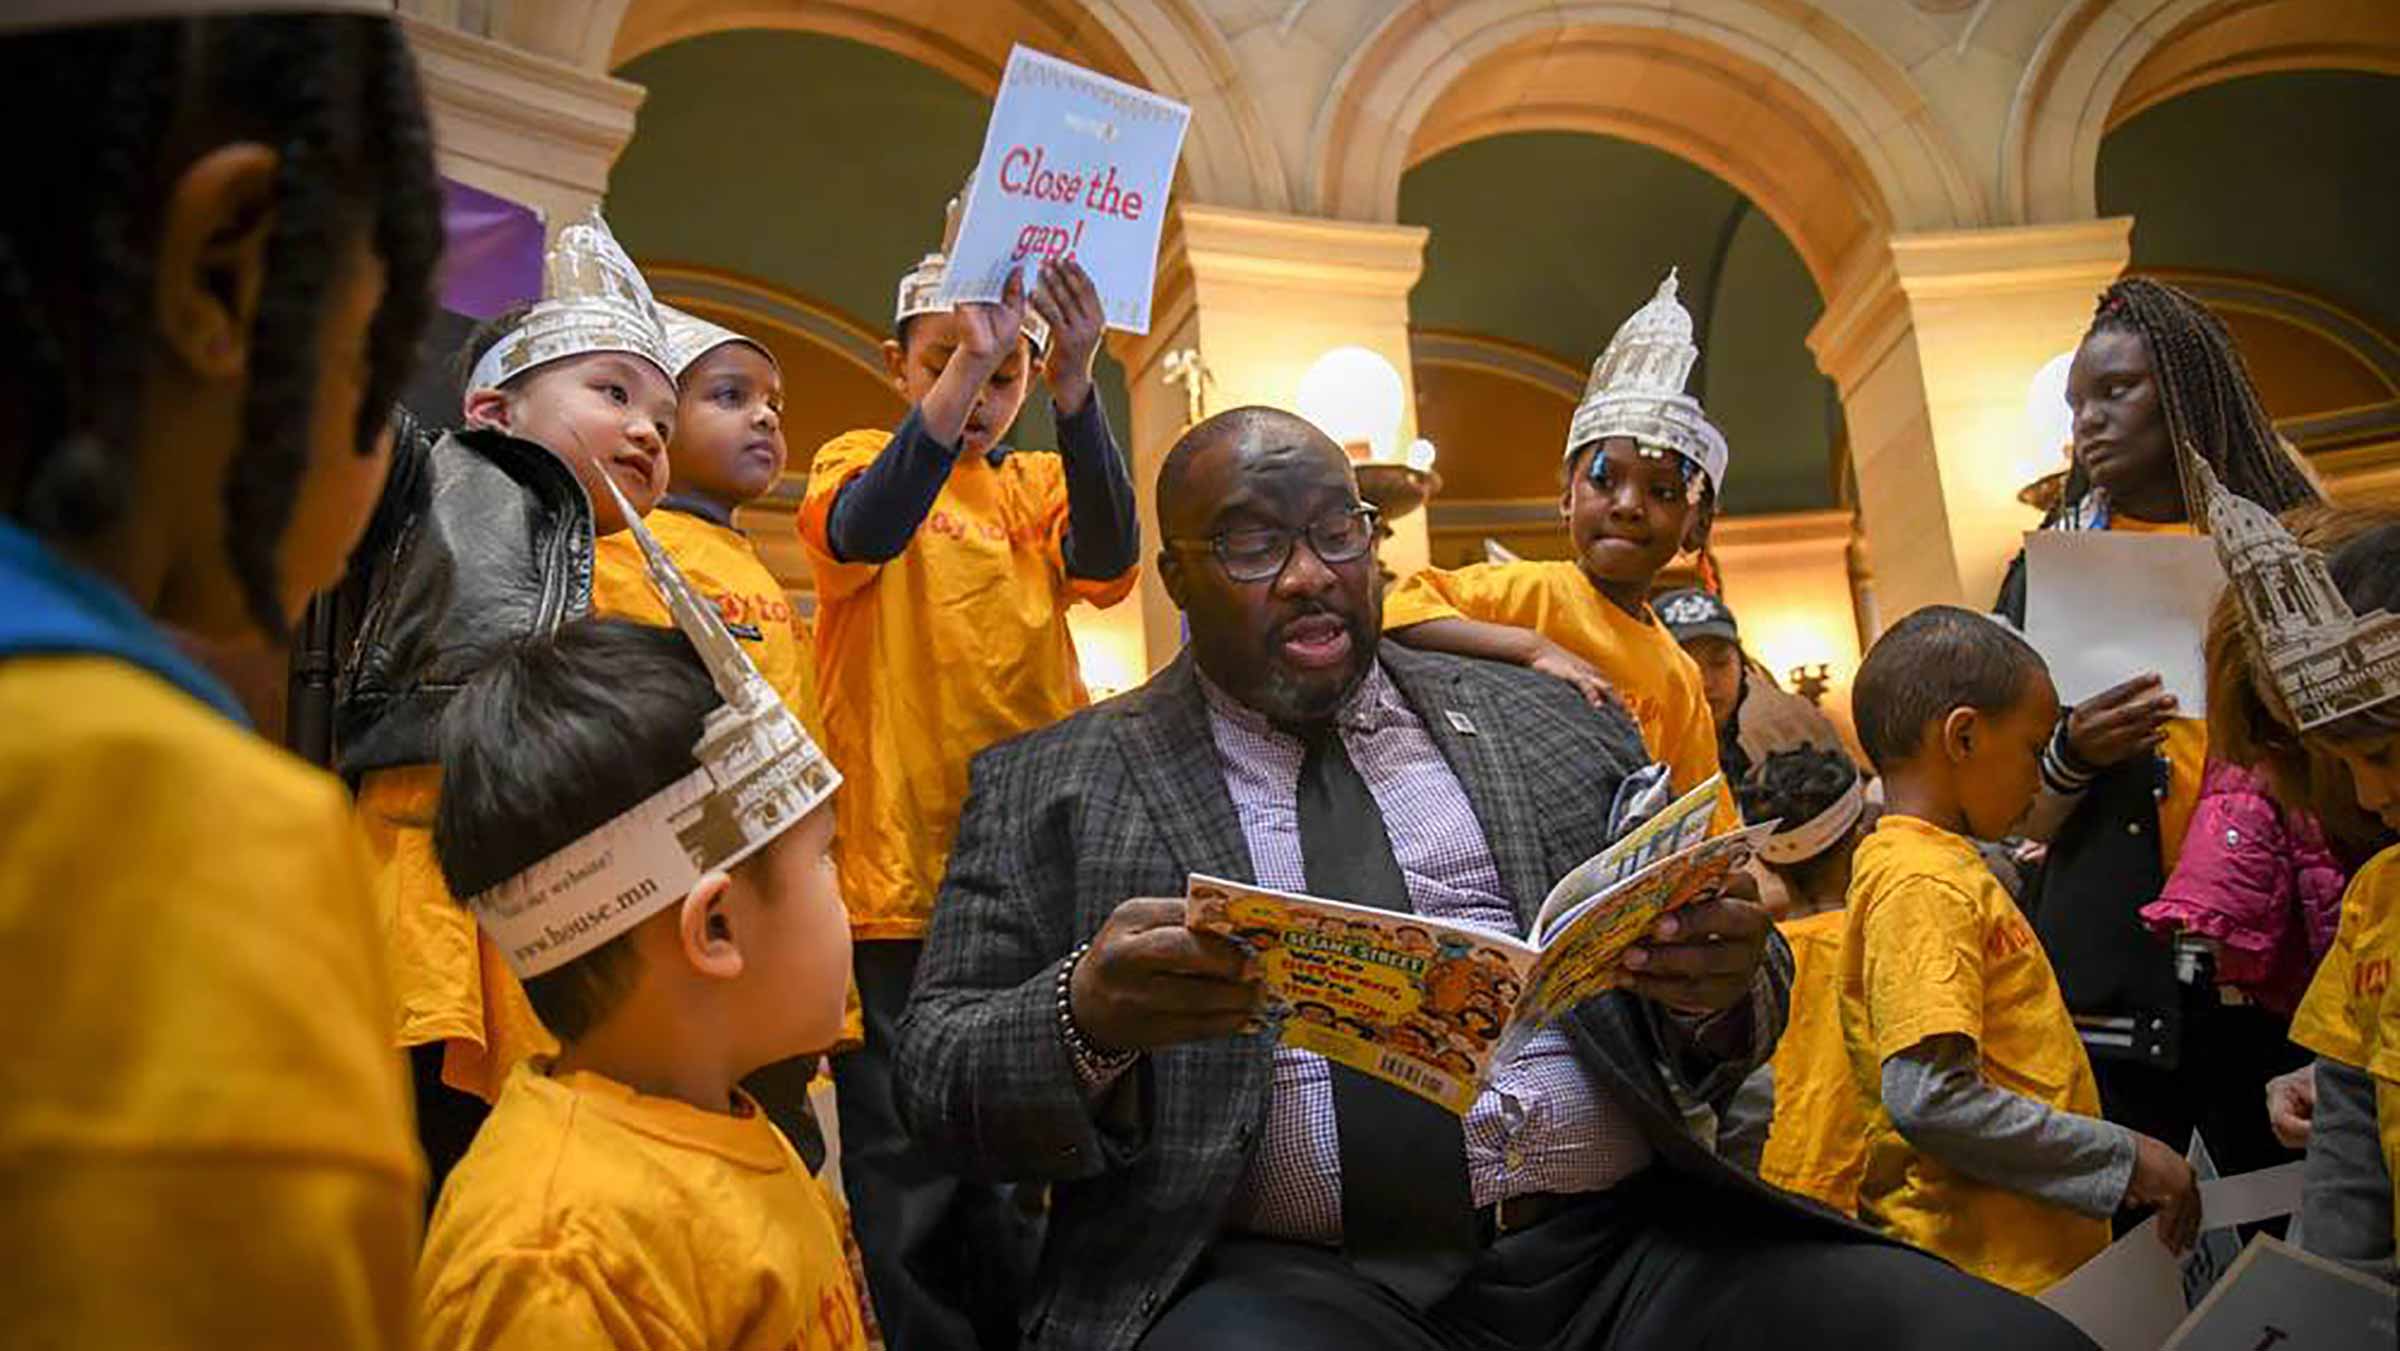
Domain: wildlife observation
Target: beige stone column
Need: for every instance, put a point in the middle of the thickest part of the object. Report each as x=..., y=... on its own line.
x=1933, y=342
x=1260, y=297
x=522, y=125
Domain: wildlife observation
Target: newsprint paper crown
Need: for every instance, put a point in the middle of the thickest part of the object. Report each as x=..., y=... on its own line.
x=593, y=300
x=2325, y=662
x=1636, y=388
x=759, y=773
x=690, y=337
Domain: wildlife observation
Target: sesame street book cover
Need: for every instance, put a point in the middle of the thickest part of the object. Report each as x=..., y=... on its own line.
x=1435, y=1006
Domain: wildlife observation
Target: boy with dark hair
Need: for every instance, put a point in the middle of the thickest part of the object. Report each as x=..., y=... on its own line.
x=945, y=564
x=1984, y=1142
x=485, y=537
x=217, y=251
x=1644, y=468
x=644, y=830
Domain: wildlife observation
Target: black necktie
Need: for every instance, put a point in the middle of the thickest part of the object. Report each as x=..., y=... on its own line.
x=1408, y=1217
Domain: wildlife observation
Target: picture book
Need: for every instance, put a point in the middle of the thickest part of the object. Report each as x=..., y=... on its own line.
x=1435, y=1006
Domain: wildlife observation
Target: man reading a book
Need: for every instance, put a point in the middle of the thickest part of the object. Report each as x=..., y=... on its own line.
x=1211, y=1187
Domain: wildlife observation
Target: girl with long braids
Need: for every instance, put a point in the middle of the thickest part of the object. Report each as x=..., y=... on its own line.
x=2123, y=772
x=216, y=253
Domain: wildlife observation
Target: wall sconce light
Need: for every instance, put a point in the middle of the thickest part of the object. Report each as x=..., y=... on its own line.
x=1810, y=681
x=2049, y=423
x=1356, y=397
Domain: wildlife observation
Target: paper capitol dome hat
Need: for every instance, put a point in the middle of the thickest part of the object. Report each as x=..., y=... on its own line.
x=1636, y=388
x=27, y=16
x=921, y=286
x=593, y=300
x=759, y=773
x=690, y=337
x=2322, y=660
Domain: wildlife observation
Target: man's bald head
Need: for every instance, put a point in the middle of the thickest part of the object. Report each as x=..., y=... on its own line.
x=1294, y=642
x=1205, y=462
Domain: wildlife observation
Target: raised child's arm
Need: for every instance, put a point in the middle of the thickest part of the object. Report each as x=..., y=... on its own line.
x=877, y=513
x=1104, y=533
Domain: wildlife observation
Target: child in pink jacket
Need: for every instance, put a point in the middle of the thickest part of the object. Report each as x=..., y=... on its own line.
x=2260, y=882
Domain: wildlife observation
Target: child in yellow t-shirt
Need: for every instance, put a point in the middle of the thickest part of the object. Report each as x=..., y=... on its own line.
x=629, y=1193
x=945, y=565
x=728, y=451
x=2350, y=1203
x=204, y=1136
x=1644, y=469
x=490, y=536
x=1984, y=1141
x=1816, y=1135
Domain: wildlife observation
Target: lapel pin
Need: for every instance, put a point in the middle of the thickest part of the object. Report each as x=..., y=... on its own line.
x=1459, y=722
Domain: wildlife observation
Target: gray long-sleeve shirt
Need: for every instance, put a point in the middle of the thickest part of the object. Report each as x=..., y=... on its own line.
x=2346, y=1189
x=1941, y=1103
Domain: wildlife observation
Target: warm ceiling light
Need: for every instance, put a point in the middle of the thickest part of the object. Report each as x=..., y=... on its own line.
x=1356, y=397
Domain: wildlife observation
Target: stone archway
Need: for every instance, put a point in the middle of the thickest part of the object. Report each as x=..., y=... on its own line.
x=1713, y=82
x=2102, y=61
x=1166, y=45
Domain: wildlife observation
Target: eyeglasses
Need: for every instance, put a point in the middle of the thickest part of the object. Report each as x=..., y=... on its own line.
x=1258, y=553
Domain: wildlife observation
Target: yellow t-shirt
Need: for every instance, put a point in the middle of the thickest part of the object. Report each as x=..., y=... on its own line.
x=958, y=643
x=1933, y=946
x=2186, y=748
x=588, y=1215
x=724, y=566
x=204, y=1133
x=1817, y=1143
x=1658, y=681
x=2351, y=1013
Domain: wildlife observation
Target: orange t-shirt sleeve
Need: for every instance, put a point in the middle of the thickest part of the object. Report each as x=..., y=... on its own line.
x=1693, y=757
x=1922, y=965
x=840, y=460
x=1472, y=592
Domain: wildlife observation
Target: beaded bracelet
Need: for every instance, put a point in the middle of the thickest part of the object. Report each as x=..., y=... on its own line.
x=1090, y=1060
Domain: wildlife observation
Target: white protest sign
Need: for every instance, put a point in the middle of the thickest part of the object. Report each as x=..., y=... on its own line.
x=2131, y=1296
x=2102, y=607
x=1075, y=165
x=2278, y=1298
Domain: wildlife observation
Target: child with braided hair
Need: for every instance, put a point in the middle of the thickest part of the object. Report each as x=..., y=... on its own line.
x=213, y=269
x=1644, y=467
x=2123, y=772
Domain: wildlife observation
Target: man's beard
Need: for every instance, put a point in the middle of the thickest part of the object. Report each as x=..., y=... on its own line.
x=1295, y=700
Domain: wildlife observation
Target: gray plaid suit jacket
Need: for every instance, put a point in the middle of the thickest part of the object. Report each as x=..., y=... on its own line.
x=1126, y=798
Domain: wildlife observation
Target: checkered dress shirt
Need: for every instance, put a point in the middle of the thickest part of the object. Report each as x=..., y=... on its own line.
x=1541, y=1125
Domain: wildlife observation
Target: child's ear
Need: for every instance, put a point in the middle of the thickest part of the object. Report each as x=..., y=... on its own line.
x=212, y=258
x=488, y=407
x=895, y=365
x=1961, y=727
x=705, y=926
